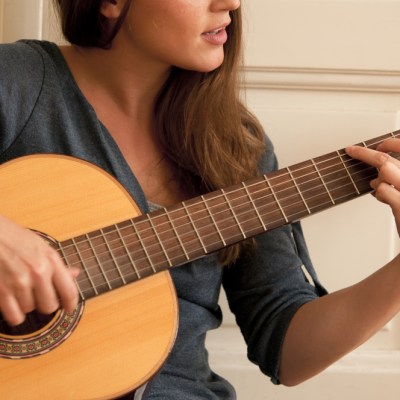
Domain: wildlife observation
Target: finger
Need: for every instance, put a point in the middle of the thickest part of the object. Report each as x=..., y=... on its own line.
x=18, y=283
x=64, y=283
x=390, y=145
x=21, y=288
x=66, y=287
x=46, y=299
x=26, y=300
x=74, y=272
x=390, y=195
x=372, y=157
x=374, y=184
x=390, y=173
x=44, y=291
x=11, y=310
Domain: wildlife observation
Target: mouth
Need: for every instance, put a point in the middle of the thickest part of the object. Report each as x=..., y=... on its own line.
x=214, y=32
x=217, y=30
x=217, y=36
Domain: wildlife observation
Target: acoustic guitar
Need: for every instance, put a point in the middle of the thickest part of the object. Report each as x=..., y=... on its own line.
x=125, y=324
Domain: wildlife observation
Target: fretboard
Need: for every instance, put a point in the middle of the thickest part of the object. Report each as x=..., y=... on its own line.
x=134, y=249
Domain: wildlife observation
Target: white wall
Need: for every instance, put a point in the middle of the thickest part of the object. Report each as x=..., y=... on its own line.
x=21, y=19
x=321, y=74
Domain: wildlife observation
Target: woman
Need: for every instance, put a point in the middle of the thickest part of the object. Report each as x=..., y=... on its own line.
x=148, y=92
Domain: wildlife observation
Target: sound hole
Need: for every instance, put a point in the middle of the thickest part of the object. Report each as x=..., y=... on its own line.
x=34, y=322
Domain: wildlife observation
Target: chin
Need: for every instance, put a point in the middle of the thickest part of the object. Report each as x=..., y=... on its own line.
x=209, y=66
x=205, y=64
x=210, y=69
x=215, y=63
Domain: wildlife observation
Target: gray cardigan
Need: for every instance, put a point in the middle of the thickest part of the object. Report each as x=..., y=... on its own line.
x=42, y=110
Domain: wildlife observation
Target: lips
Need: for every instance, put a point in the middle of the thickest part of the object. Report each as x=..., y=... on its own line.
x=217, y=30
x=214, y=32
x=217, y=36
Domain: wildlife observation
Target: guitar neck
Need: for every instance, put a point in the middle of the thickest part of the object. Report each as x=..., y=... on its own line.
x=131, y=250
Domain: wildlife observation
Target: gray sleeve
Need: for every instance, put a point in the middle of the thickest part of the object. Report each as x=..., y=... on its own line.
x=267, y=285
x=21, y=80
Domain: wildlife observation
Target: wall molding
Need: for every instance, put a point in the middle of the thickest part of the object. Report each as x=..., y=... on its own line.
x=318, y=79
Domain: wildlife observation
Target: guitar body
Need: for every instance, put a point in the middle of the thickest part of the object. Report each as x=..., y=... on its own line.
x=116, y=341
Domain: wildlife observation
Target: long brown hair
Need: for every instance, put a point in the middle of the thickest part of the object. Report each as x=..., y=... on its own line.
x=204, y=129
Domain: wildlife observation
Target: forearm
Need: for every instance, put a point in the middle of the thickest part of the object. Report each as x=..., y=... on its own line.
x=326, y=329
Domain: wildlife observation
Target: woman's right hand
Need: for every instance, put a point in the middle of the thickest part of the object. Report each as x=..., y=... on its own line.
x=32, y=275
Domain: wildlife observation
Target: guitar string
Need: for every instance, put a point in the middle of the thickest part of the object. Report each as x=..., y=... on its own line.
x=138, y=260
x=260, y=183
x=133, y=273
x=349, y=162
x=113, y=231
x=342, y=162
x=253, y=194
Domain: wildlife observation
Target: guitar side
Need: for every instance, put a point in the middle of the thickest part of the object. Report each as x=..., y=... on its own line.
x=124, y=336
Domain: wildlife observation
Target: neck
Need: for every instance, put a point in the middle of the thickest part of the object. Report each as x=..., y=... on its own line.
x=112, y=74
x=189, y=230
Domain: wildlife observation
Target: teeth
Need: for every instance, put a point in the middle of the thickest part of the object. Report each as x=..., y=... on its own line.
x=214, y=32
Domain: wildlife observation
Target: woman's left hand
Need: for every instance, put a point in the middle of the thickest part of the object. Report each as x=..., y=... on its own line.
x=387, y=184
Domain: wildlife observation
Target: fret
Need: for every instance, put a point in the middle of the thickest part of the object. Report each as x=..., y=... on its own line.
x=361, y=173
x=187, y=238
x=336, y=177
x=135, y=248
x=143, y=247
x=241, y=218
x=99, y=263
x=125, y=247
x=375, y=142
x=175, y=246
x=298, y=189
x=265, y=203
x=221, y=210
x=288, y=197
x=112, y=235
x=233, y=213
x=213, y=220
x=61, y=250
x=276, y=198
x=159, y=239
x=73, y=260
x=84, y=266
x=323, y=181
x=308, y=182
x=194, y=227
x=254, y=206
x=348, y=172
x=176, y=234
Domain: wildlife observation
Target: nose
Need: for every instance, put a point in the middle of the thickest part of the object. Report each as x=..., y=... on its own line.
x=226, y=5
